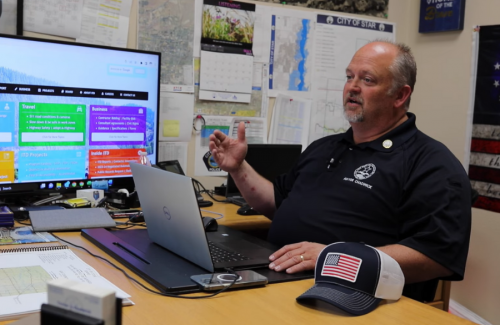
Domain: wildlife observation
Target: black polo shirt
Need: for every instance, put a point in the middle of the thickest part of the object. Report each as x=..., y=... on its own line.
x=403, y=188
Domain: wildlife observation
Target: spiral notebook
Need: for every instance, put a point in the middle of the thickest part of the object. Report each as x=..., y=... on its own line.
x=24, y=272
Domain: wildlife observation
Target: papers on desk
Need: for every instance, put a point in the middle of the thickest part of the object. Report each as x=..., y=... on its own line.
x=23, y=235
x=24, y=274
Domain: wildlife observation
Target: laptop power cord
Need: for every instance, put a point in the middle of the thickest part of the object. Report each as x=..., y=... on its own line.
x=142, y=285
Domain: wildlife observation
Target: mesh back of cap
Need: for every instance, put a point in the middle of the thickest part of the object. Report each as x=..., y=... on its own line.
x=391, y=281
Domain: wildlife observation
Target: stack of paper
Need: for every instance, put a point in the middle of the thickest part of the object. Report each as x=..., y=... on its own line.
x=24, y=275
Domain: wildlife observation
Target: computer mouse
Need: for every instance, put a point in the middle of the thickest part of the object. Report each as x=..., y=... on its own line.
x=210, y=224
x=137, y=218
x=247, y=210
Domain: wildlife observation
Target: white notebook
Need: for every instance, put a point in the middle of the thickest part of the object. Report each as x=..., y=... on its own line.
x=24, y=273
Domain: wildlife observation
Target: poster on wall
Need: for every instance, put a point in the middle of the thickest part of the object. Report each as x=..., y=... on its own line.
x=11, y=17
x=441, y=15
x=376, y=8
x=484, y=157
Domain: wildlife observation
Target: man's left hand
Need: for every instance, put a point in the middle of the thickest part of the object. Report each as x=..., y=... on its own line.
x=296, y=257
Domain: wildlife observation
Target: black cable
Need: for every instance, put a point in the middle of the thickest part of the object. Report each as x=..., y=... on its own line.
x=142, y=285
x=203, y=122
x=129, y=224
x=198, y=185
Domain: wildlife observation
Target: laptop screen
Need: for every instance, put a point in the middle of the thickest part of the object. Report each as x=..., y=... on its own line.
x=269, y=160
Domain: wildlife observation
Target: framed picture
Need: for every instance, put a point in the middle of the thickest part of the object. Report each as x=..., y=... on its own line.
x=441, y=16
x=11, y=17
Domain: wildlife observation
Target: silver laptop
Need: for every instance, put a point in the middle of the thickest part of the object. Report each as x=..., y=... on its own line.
x=174, y=221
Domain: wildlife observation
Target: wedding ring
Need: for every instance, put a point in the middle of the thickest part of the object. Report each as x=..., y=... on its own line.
x=302, y=258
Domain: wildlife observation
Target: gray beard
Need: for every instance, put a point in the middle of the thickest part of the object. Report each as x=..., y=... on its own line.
x=358, y=117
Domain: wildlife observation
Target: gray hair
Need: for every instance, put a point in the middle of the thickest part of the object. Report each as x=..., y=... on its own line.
x=403, y=69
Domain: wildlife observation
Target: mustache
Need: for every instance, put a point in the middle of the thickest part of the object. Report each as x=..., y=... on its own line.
x=350, y=96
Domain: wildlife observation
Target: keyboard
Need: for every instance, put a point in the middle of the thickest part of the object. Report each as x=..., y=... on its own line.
x=238, y=200
x=220, y=255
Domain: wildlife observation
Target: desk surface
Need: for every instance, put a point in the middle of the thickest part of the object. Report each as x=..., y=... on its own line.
x=234, y=220
x=273, y=304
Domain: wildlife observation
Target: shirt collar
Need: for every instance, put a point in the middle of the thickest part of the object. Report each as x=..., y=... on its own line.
x=389, y=141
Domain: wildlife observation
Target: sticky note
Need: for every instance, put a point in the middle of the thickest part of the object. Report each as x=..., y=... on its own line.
x=171, y=128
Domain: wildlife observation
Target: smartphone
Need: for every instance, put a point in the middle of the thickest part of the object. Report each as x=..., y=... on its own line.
x=218, y=281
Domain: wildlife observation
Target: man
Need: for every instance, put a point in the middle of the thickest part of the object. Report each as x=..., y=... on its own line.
x=382, y=182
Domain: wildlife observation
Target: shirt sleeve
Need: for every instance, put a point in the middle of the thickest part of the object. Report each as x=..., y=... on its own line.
x=435, y=210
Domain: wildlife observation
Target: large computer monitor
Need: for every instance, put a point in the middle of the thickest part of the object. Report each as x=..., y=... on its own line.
x=73, y=115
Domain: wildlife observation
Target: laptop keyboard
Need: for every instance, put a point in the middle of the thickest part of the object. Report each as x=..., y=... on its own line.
x=220, y=255
x=238, y=200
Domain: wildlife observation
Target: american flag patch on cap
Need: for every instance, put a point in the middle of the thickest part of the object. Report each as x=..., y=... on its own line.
x=341, y=266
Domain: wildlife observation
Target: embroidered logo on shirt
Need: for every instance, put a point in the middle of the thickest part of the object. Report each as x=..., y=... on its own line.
x=365, y=171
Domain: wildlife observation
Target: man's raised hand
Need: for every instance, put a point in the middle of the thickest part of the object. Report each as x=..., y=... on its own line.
x=229, y=153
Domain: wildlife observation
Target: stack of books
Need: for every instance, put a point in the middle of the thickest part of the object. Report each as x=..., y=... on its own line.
x=6, y=217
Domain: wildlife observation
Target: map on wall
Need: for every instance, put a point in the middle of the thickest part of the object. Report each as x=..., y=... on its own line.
x=376, y=8
x=167, y=26
x=337, y=38
x=290, y=63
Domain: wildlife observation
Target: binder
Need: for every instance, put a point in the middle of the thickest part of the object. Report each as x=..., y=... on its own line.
x=25, y=271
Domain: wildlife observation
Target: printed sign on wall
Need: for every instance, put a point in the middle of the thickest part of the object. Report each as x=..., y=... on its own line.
x=441, y=15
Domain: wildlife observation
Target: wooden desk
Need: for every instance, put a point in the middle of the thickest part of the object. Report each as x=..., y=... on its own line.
x=258, y=226
x=236, y=221
x=273, y=304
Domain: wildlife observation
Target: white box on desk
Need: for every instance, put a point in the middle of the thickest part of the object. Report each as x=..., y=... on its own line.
x=93, y=195
x=83, y=299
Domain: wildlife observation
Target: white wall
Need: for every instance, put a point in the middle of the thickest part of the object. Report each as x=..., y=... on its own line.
x=441, y=103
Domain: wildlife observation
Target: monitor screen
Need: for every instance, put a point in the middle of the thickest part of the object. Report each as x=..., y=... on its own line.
x=73, y=115
x=269, y=160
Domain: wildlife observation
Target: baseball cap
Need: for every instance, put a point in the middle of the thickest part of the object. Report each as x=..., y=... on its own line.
x=355, y=277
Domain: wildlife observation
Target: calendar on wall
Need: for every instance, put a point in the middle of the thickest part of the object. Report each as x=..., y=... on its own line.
x=226, y=62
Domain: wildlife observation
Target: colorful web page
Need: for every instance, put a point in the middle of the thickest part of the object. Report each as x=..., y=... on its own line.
x=47, y=124
x=112, y=163
x=7, y=115
x=6, y=166
x=115, y=125
x=61, y=105
x=46, y=165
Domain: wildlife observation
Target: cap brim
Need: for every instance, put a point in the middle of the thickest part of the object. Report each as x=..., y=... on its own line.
x=349, y=300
